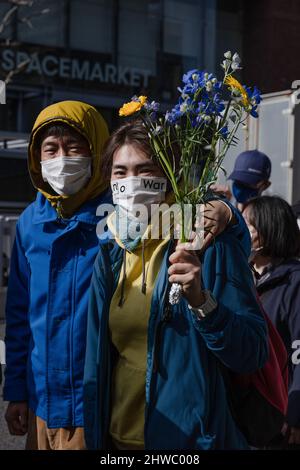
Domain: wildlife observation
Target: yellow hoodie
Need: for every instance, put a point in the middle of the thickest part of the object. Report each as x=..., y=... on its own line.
x=85, y=119
x=128, y=325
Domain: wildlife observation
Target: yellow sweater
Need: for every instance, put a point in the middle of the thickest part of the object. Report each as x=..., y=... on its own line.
x=128, y=328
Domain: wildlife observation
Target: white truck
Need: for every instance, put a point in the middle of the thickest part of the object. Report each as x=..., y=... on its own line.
x=276, y=132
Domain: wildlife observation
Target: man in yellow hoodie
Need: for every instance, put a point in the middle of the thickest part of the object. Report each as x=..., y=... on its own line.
x=51, y=267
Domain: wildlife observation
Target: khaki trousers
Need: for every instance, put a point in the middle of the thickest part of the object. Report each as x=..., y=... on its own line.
x=40, y=437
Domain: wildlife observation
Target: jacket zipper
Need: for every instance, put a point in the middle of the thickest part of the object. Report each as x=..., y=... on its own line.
x=72, y=339
x=166, y=318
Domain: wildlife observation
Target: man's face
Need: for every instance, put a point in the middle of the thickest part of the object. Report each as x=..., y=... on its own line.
x=130, y=161
x=69, y=145
x=244, y=192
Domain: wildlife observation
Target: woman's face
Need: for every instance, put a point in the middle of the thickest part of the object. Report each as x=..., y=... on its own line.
x=255, y=241
x=129, y=160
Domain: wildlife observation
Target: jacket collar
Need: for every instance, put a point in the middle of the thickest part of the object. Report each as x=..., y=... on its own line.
x=278, y=272
x=45, y=212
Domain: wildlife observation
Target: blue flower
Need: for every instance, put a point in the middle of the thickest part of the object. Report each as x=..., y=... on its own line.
x=191, y=75
x=254, y=98
x=153, y=106
x=211, y=105
x=173, y=116
x=224, y=132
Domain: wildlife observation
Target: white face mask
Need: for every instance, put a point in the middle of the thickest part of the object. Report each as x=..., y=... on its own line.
x=134, y=196
x=67, y=175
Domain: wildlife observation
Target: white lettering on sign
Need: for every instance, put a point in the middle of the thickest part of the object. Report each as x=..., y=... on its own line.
x=97, y=73
x=50, y=65
x=80, y=71
x=65, y=67
x=34, y=65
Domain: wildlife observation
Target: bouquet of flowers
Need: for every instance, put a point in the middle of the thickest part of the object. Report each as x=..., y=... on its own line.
x=201, y=127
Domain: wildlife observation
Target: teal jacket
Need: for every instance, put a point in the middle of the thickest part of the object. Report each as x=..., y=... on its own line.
x=186, y=404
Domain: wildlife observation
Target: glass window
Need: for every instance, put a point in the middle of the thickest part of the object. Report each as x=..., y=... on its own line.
x=229, y=28
x=183, y=25
x=15, y=182
x=139, y=27
x=9, y=113
x=42, y=23
x=91, y=25
x=7, y=17
x=31, y=107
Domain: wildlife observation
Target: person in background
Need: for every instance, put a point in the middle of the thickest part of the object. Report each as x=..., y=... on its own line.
x=250, y=176
x=275, y=257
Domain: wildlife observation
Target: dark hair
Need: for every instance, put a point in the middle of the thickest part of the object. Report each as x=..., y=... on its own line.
x=132, y=132
x=56, y=130
x=277, y=227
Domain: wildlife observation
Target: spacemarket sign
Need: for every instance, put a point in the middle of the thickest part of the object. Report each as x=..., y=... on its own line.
x=76, y=67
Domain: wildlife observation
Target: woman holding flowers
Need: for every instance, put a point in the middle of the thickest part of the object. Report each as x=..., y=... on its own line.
x=152, y=372
x=152, y=378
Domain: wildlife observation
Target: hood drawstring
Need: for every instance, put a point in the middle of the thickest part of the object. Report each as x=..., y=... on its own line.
x=59, y=209
x=144, y=283
x=122, y=299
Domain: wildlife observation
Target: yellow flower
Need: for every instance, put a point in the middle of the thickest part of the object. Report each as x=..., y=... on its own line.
x=143, y=99
x=233, y=83
x=132, y=107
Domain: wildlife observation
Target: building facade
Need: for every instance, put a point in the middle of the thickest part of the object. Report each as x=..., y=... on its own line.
x=102, y=52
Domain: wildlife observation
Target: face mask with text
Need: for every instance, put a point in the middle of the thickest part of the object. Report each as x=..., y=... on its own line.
x=134, y=197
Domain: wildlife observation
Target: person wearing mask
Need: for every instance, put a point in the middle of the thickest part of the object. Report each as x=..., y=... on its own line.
x=50, y=272
x=250, y=176
x=152, y=375
x=275, y=258
x=47, y=300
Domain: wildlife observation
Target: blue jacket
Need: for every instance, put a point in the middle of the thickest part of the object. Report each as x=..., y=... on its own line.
x=279, y=290
x=186, y=405
x=46, y=311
